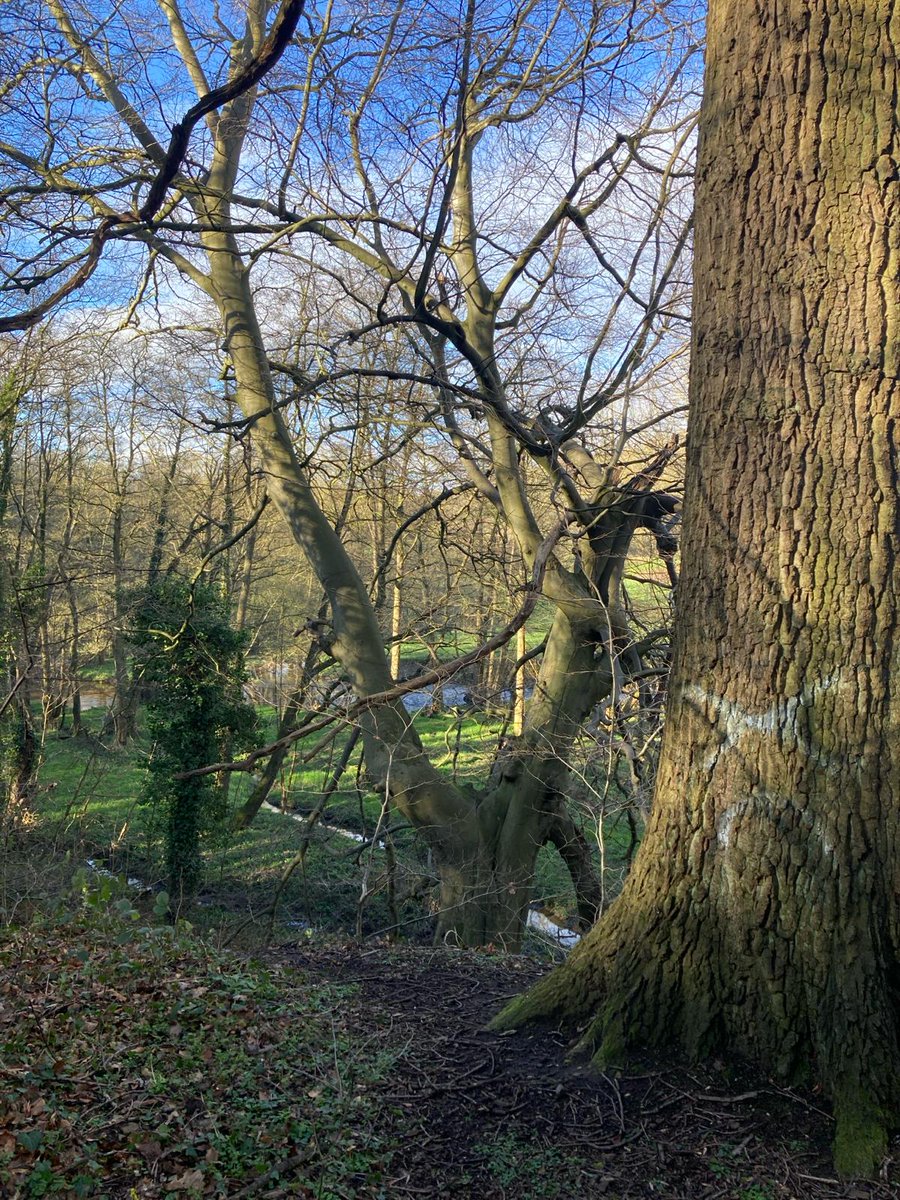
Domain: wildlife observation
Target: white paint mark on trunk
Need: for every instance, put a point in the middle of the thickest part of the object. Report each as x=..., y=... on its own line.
x=780, y=720
x=771, y=808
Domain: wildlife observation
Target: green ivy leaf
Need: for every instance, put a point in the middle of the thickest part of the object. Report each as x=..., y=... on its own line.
x=31, y=1139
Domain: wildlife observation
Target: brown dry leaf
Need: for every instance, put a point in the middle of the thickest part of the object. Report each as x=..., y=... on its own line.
x=190, y=1179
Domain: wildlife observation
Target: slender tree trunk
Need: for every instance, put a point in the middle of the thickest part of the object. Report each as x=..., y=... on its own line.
x=496, y=666
x=123, y=715
x=52, y=693
x=762, y=913
x=23, y=755
x=52, y=696
x=245, y=579
x=243, y=585
x=396, y=613
x=519, y=686
x=161, y=524
x=75, y=659
x=65, y=574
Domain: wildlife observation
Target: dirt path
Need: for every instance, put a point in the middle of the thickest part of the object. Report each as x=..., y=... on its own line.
x=489, y=1117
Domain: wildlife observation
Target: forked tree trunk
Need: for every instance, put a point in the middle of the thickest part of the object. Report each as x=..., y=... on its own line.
x=397, y=613
x=484, y=846
x=762, y=913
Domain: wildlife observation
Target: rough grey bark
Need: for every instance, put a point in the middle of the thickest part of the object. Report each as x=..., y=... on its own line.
x=762, y=912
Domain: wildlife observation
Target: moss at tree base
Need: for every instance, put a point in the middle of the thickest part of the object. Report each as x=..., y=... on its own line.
x=861, y=1136
x=542, y=1001
x=570, y=993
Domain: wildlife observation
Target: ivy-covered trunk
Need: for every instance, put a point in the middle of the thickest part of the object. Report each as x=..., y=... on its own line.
x=19, y=756
x=762, y=914
x=192, y=663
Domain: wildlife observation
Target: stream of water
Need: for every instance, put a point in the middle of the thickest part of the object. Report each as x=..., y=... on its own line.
x=95, y=695
x=537, y=921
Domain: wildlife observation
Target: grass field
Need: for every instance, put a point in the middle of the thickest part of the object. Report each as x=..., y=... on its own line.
x=89, y=806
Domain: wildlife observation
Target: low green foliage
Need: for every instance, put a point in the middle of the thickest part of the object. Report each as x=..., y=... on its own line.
x=135, y=1057
x=729, y=1164
x=530, y=1169
x=758, y=1191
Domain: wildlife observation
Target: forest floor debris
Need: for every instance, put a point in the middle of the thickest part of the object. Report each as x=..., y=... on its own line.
x=140, y=1063
x=483, y=1116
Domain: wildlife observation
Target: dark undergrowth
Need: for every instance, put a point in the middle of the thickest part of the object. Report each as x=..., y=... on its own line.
x=138, y=1061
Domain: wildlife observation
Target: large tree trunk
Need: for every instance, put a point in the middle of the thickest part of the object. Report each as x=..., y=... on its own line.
x=762, y=913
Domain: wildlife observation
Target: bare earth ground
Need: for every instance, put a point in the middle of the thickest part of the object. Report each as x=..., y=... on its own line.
x=472, y=1114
